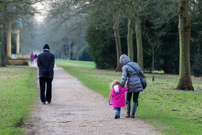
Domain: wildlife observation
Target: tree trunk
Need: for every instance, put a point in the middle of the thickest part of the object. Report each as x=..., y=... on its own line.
x=8, y=42
x=62, y=54
x=152, y=64
x=185, y=82
x=130, y=40
x=69, y=51
x=1, y=44
x=2, y=48
x=118, y=45
x=139, y=41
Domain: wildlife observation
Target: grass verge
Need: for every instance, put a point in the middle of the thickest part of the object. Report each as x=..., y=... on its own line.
x=171, y=111
x=18, y=92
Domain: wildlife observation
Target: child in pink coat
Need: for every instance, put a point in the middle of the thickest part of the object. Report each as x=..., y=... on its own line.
x=117, y=97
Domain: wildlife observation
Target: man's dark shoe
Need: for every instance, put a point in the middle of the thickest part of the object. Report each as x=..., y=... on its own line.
x=49, y=102
x=43, y=103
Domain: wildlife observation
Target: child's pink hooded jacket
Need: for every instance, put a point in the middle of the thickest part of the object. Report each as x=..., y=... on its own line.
x=32, y=56
x=117, y=96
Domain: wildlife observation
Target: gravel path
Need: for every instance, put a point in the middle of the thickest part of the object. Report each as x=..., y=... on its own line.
x=77, y=110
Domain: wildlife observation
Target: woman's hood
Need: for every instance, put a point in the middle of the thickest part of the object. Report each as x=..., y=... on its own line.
x=124, y=59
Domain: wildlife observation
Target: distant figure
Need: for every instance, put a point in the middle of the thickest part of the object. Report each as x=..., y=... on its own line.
x=35, y=57
x=13, y=56
x=45, y=62
x=32, y=58
x=134, y=85
x=117, y=97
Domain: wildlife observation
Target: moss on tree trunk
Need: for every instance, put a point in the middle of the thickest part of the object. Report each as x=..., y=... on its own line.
x=139, y=41
x=2, y=48
x=130, y=40
x=185, y=82
x=118, y=45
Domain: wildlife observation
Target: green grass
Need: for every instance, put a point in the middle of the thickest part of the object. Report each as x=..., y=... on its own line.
x=155, y=71
x=173, y=112
x=18, y=92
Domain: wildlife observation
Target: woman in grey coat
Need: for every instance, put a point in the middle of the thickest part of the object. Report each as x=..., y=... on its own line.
x=130, y=75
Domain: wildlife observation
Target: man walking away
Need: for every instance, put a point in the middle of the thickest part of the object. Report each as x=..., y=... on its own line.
x=45, y=62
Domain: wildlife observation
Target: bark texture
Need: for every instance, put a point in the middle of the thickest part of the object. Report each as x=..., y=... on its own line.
x=2, y=48
x=139, y=41
x=130, y=40
x=185, y=82
x=8, y=46
x=118, y=45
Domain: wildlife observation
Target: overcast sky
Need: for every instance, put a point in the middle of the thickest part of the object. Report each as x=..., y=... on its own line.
x=42, y=9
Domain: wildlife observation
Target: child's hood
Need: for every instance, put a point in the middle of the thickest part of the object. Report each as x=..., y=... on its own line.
x=116, y=88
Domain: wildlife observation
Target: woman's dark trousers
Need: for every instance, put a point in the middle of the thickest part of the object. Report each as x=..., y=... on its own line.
x=45, y=83
x=135, y=103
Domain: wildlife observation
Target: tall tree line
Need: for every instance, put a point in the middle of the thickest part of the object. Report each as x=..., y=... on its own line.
x=159, y=25
x=136, y=27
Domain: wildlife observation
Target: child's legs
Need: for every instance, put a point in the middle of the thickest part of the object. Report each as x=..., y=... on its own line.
x=117, y=110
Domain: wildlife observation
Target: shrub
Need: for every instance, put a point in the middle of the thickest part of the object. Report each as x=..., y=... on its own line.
x=83, y=54
x=102, y=47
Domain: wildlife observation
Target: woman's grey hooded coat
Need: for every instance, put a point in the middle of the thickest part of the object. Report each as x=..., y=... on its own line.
x=130, y=75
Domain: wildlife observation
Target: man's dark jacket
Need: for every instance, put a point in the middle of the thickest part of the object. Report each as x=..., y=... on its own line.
x=45, y=62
